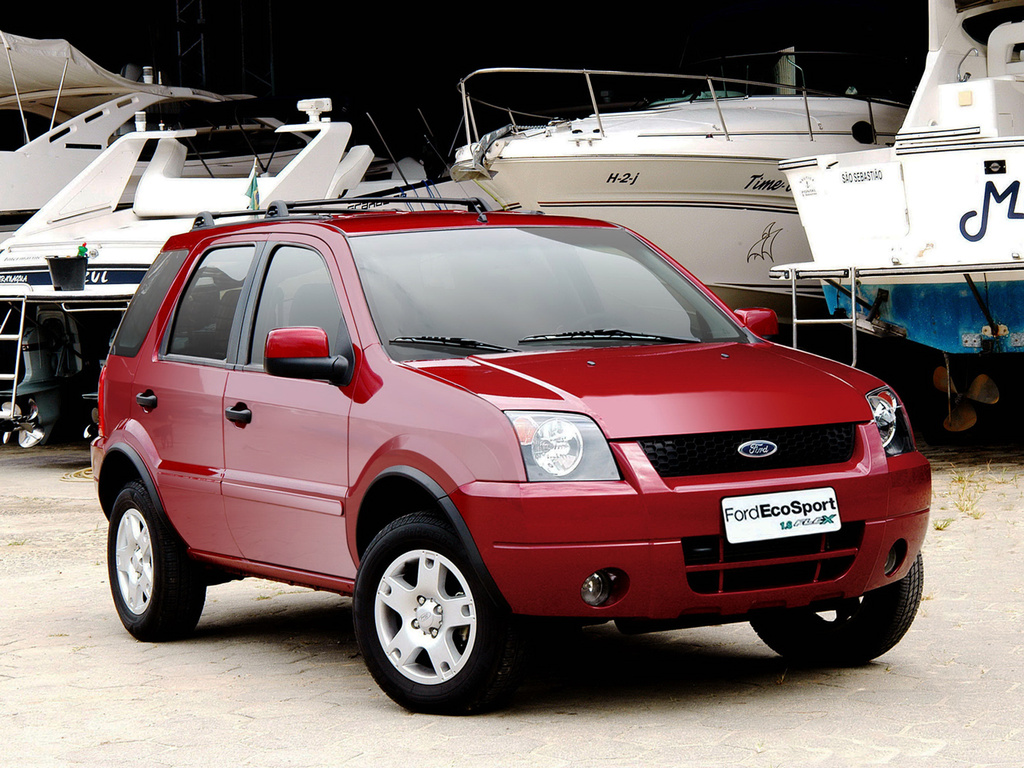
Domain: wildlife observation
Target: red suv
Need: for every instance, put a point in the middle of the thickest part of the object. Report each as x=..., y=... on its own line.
x=468, y=420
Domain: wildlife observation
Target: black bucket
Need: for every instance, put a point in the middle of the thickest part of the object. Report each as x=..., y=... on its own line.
x=67, y=273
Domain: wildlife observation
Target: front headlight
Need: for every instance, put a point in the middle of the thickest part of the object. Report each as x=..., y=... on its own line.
x=562, y=446
x=891, y=420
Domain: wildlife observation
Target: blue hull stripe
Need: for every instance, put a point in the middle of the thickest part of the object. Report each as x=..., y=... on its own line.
x=37, y=277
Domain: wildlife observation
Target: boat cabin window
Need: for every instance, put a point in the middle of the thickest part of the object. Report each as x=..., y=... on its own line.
x=980, y=27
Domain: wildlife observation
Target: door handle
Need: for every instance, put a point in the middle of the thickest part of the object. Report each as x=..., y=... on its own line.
x=239, y=413
x=146, y=399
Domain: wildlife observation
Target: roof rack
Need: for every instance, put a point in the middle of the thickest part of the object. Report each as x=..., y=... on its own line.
x=280, y=209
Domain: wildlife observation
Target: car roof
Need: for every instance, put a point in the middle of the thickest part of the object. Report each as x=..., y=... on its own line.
x=416, y=220
x=371, y=222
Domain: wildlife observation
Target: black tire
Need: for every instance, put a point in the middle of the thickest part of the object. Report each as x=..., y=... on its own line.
x=860, y=629
x=413, y=571
x=158, y=592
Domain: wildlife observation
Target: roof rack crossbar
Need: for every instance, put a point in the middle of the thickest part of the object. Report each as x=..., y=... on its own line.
x=280, y=209
x=208, y=218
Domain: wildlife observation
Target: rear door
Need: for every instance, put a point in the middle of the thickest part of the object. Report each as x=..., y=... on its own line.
x=177, y=395
x=286, y=440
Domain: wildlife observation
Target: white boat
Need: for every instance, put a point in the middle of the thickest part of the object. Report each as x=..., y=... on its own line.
x=928, y=233
x=53, y=336
x=59, y=110
x=697, y=173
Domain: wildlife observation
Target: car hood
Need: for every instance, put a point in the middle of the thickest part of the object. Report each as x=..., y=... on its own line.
x=669, y=389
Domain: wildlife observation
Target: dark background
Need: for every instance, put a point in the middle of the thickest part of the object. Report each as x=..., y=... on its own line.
x=396, y=61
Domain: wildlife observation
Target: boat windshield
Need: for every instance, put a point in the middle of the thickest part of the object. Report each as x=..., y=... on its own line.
x=996, y=12
x=455, y=293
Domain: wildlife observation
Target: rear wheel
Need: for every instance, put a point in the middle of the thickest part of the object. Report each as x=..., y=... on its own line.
x=857, y=631
x=158, y=592
x=432, y=638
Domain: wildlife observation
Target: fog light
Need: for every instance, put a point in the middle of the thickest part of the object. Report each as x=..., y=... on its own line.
x=597, y=588
x=893, y=561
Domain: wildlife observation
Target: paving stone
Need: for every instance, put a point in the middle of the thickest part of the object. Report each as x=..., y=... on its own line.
x=273, y=676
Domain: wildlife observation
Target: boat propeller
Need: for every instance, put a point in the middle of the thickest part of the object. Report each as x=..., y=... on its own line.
x=26, y=426
x=961, y=412
x=10, y=414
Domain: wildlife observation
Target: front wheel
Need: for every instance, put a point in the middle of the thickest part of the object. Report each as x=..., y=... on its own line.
x=158, y=592
x=431, y=637
x=857, y=631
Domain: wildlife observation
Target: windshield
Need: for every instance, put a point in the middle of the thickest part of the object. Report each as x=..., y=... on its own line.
x=454, y=293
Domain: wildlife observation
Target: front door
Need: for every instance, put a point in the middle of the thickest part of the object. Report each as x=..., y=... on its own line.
x=286, y=440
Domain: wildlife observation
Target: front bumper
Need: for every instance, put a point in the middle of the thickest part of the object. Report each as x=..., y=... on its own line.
x=540, y=541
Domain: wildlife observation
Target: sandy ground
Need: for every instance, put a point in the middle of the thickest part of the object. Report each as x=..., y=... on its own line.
x=273, y=676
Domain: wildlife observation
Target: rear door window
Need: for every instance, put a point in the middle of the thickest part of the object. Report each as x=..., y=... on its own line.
x=210, y=304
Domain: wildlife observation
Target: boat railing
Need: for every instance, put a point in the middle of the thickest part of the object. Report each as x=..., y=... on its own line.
x=715, y=85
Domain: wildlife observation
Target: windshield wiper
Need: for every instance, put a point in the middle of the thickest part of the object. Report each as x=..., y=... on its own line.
x=450, y=341
x=609, y=334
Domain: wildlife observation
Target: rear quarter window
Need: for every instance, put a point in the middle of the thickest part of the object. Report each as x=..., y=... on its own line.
x=146, y=302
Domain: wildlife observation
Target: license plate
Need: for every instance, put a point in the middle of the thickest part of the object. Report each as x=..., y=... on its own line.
x=779, y=515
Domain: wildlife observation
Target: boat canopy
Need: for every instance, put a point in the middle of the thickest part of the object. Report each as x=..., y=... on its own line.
x=963, y=5
x=41, y=75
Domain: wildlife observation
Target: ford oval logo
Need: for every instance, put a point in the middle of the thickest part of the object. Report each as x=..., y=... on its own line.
x=757, y=449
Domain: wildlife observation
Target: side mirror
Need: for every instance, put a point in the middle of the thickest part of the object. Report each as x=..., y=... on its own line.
x=303, y=353
x=759, y=321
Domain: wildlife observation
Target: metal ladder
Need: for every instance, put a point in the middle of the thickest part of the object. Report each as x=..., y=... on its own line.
x=12, y=329
x=792, y=273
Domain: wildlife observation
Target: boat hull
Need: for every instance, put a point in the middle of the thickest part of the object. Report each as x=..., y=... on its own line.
x=701, y=179
x=932, y=229
x=946, y=316
x=728, y=218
